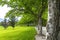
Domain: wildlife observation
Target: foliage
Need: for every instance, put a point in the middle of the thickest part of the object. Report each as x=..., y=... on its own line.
x=19, y=33
x=44, y=18
x=27, y=19
x=33, y=7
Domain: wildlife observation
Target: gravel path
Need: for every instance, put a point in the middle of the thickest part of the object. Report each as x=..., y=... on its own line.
x=37, y=37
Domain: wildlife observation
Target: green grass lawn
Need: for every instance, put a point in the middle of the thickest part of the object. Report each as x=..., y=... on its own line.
x=18, y=33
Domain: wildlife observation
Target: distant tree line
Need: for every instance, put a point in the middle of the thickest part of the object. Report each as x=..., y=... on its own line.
x=11, y=22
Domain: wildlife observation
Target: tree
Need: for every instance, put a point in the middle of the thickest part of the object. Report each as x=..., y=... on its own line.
x=12, y=20
x=53, y=20
x=12, y=17
x=34, y=7
x=4, y=23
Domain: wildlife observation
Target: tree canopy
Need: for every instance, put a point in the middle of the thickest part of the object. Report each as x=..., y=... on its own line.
x=26, y=7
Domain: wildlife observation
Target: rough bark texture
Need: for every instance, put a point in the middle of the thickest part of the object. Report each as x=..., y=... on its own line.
x=53, y=20
x=58, y=4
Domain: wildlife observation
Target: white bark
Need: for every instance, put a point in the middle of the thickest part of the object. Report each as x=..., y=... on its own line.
x=53, y=22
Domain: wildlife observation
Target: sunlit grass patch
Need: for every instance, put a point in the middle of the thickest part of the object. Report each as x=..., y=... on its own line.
x=18, y=33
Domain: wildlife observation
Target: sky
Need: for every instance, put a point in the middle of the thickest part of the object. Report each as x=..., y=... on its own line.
x=3, y=11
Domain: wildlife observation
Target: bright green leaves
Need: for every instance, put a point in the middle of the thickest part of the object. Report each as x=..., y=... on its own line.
x=27, y=18
x=29, y=9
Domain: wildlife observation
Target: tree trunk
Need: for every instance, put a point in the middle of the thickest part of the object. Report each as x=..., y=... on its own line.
x=40, y=25
x=58, y=4
x=53, y=20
